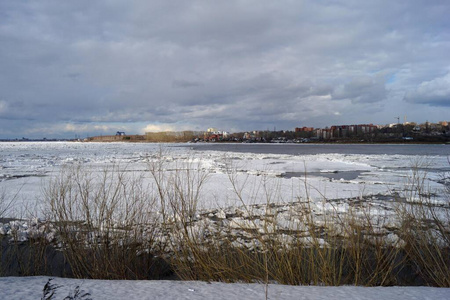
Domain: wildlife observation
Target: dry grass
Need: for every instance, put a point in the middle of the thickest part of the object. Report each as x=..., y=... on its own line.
x=309, y=257
x=19, y=258
x=106, y=223
x=425, y=228
x=113, y=225
x=326, y=249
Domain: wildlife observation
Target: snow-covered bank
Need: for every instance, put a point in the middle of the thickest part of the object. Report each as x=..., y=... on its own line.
x=30, y=288
x=213, y=216
x=236, y=223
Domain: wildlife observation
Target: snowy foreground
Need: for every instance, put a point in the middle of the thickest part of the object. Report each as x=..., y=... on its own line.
x=25, y=288
x=334, y=182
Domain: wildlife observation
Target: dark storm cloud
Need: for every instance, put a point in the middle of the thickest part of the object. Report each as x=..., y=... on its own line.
x=93, y=67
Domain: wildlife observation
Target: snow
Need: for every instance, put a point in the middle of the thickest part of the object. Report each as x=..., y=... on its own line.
x=26, y=167
x=27, y=288
x=257, y=179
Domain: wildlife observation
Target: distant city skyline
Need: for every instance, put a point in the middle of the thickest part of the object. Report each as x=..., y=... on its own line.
x=138, y=137
x=83, y=68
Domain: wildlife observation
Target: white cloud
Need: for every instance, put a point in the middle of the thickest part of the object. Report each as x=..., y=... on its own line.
x=159, y=128
x=435, y=92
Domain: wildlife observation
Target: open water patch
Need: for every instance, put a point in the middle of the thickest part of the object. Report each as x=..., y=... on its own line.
x=336, y=175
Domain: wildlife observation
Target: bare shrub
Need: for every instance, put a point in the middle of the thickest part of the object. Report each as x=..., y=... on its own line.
x=178, y=186
x=177, y=190
x=6, y=202
x=106, y=222
x=425, y=227
x=321, y=246
x=21, y=253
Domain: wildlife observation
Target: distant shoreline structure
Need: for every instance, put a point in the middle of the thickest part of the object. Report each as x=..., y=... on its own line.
x=408, y=132
x=358, y=133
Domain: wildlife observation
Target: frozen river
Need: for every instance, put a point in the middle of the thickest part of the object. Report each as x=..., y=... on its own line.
x=289, y=172
x=310, y=149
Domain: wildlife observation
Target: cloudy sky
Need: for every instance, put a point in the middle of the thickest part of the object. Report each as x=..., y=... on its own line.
x=84, y=68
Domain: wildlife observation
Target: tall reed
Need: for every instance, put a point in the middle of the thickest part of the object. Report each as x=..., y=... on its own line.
x=320, y=246
x=425, y=228
x=106, y=222
x=113, y=223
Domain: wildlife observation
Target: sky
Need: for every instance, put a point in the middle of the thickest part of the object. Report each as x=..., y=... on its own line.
x=84, y=68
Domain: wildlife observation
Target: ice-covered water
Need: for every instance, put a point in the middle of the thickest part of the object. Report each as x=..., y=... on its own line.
x=286, y=171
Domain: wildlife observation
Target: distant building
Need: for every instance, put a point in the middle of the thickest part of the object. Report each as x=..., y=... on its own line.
x=213, y=134
x=342, y=131
x=304, y=129
x=324, y=133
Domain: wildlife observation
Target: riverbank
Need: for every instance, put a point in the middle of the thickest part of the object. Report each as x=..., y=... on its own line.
x=292, y=214
x=233, y=244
